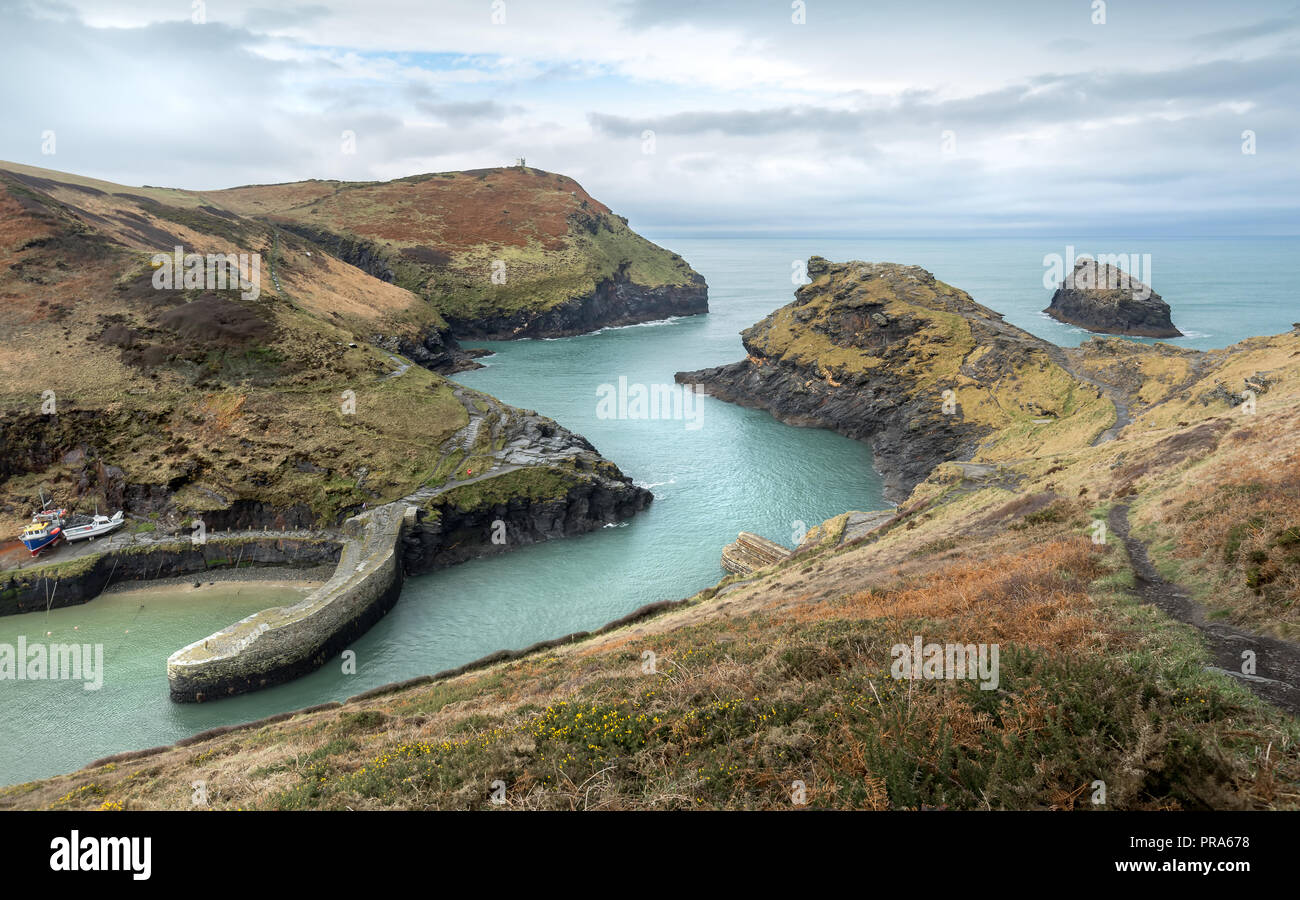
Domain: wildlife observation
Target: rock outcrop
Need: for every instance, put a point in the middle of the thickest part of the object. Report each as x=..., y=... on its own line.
x=434, y=348
x=887, y=354
x=1105, y=299
x=751, y=552
x=536, y=481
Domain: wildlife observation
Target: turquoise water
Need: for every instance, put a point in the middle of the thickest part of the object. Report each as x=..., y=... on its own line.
x=54, y=726
x=739, y=470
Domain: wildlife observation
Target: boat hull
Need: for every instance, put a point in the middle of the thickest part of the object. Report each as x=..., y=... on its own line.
x=92, y=530
x=37, y=543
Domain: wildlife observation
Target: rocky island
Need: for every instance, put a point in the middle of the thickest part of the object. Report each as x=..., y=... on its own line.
x=1103, y=298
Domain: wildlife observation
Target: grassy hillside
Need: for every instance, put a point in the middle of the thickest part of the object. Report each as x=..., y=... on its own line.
x=857, y=321
x=184, y=401
x=445, y=235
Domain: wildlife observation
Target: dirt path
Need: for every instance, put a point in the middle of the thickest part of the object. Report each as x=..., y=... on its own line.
x=1123, y=415
x=1277, y=663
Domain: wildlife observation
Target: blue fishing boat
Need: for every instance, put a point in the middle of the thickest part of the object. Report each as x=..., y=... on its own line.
x=42, y=534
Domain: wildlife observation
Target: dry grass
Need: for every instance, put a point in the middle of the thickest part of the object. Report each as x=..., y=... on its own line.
x=1243, y=541
x=1037, y=597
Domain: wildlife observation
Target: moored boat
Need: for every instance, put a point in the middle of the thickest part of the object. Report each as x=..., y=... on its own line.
x=83, y=527
x=42, y=534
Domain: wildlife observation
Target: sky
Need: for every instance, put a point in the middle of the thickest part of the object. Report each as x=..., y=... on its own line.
x=909, y=118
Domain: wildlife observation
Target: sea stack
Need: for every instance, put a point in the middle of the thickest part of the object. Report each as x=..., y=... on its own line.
x=1105, y=299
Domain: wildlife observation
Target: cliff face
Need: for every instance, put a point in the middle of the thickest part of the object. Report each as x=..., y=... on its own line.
x=455, y=529
x=887, y=354
x=434, y=348
x=615, y=301
x=1102, y=298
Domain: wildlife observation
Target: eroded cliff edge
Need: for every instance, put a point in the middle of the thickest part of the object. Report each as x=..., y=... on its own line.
x=497, y=254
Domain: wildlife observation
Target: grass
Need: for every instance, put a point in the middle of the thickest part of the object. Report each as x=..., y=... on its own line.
x=1000, y=388
x=1240, y=542
x=443, y=233
x=533, y=483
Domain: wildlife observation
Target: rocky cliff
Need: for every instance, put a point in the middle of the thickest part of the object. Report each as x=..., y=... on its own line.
x=1103, y=298
x=888, y=354
x=614, y=301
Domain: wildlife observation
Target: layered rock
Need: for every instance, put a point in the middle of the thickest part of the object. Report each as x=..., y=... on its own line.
x=887, y=354
x=1105, y=299
x=751, y=552
x=434, y=348
x=544, y=482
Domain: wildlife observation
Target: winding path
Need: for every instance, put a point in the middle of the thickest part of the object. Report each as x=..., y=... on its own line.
x=1123, y=415
x=1277, y=662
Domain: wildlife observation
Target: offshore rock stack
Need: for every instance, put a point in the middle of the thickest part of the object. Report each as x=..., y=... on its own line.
x=1105, y=299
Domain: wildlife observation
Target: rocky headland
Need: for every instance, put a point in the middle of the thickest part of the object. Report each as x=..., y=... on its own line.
x=496, y=254
x=887, y=354
x=270, y=411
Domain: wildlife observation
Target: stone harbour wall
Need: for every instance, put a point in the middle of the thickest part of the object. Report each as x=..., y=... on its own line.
x=279, y=644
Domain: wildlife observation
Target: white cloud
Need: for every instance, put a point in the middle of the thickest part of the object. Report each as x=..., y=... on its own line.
x=835, y=124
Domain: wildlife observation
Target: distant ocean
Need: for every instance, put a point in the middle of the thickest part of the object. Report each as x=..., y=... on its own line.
x=738, y=470
x=1221, y=290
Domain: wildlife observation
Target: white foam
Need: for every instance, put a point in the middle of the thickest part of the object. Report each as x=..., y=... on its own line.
x=654, y=484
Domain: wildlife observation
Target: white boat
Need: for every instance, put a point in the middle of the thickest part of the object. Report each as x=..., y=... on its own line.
x=91, y=526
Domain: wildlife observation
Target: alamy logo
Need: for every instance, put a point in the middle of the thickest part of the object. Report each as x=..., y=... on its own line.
x=976, y=662
x=53, y=662
x=102, y=854
x=1107, y=271
x=657, y=401
x=181, y=271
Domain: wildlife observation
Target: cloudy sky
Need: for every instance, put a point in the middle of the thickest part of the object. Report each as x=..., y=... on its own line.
x=889, y=117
